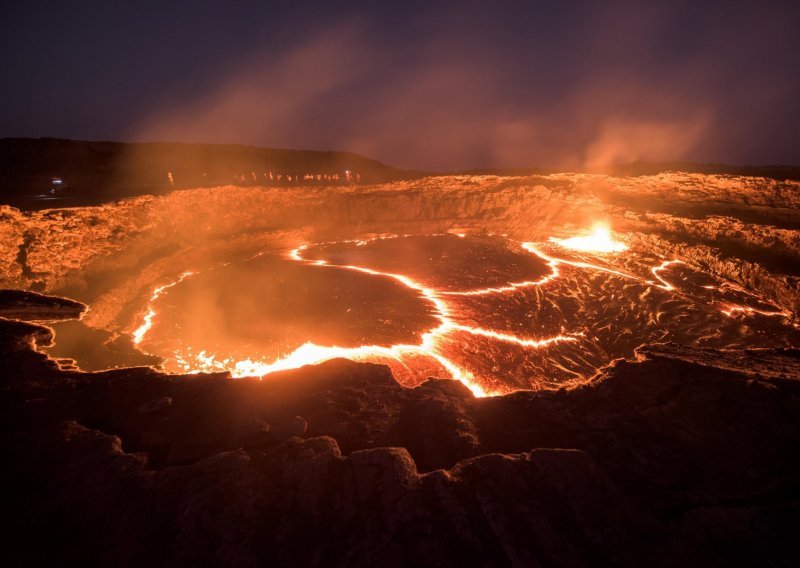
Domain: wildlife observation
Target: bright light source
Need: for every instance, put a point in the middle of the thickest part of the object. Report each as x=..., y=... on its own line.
x=600, y=240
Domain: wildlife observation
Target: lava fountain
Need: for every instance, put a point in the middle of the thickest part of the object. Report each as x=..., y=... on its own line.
x=600, y=240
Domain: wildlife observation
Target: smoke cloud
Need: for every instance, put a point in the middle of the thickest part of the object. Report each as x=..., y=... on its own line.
x=444, y=108
x=434, y=88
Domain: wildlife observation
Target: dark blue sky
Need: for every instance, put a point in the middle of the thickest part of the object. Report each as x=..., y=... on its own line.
x=421, y=85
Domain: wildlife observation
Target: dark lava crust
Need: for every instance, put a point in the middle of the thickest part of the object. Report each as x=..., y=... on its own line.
x=686, y=457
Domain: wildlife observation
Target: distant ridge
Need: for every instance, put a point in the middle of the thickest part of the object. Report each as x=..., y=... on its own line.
x=102, y=171
x=97, y=172
x=778, y=172
x=640, y=168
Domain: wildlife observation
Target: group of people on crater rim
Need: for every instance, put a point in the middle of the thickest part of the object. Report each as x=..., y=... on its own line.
x=347, y=176
x=275, y=178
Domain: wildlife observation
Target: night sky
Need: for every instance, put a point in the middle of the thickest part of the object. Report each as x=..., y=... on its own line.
x=417, y=85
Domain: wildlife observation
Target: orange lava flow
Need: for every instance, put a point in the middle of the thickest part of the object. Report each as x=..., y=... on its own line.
x=147, y=321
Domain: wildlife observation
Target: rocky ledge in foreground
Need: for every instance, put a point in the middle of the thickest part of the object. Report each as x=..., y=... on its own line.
x=671, y=460
x=30, y=306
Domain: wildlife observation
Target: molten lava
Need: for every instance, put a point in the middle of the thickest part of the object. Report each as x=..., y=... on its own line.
x=147, y=320
x=599, y=241
x=497, y=338
x=394, y=355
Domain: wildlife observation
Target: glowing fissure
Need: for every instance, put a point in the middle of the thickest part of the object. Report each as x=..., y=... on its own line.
x=147, y=321
x=664, y=284
x=731, y=309
x=514, y=339
x=513, y=285
x=552, y=262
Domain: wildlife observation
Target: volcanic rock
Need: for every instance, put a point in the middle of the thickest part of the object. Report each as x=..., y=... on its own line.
x=30, y=306
x=673, y=458
x=155, y=405
x=680, y=455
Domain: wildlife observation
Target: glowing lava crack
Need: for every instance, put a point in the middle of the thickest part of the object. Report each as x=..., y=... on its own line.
x=147, y=321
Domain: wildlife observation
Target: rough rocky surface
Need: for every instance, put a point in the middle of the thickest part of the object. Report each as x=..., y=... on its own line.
x=685, y=457
x=19, y=304
x=95, y=172
x=743, y=229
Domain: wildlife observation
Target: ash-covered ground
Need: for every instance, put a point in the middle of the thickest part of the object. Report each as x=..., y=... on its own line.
x=644, y=406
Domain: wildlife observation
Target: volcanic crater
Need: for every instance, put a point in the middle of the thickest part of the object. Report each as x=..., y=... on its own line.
x=495, y=312
x=583, y=321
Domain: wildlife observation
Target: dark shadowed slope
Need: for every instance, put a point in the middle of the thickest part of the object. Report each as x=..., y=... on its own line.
x=103, y=171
